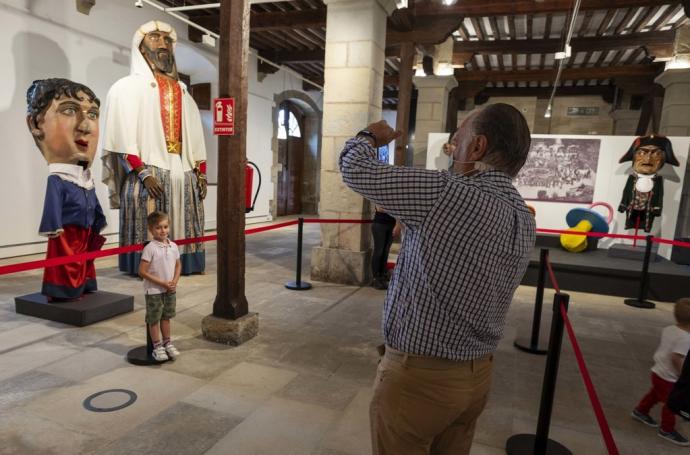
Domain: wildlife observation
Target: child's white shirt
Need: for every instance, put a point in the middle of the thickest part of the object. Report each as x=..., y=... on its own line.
x=162, y=257
x=674, y=340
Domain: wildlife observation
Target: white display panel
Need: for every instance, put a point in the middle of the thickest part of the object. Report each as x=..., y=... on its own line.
x=610, y=181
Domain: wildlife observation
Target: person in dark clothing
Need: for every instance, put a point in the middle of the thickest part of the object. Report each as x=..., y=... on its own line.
x=384, y=228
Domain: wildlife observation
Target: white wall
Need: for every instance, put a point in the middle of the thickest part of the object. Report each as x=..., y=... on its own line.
x=48, y=38
x=610, y=181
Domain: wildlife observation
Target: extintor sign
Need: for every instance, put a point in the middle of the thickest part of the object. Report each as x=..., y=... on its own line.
x=224, y=116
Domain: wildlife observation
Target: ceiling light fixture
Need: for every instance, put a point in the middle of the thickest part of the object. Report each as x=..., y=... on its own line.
x=562, y=56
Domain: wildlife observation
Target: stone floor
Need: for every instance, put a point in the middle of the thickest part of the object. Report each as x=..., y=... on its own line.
x=303, y=385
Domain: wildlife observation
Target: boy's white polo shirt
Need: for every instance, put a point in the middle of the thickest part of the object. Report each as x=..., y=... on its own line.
x=162, y=258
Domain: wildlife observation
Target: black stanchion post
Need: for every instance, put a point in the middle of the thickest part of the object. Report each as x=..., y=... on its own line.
x=539, y=443
x=143, y=355
x=533, y=346
x=641, y=300
x=298, y=284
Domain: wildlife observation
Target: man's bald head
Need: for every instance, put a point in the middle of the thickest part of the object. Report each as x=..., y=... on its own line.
x=506, y=136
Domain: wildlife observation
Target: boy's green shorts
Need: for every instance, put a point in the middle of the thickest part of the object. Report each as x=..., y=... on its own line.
x=160, y=306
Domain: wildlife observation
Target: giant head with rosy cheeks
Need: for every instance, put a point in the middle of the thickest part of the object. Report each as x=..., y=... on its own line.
x=63, y=119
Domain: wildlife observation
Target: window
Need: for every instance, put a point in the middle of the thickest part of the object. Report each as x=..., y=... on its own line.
x=292, y=127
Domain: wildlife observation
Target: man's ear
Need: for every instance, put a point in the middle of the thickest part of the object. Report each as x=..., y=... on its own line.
x=478, y=147
x=35, y=130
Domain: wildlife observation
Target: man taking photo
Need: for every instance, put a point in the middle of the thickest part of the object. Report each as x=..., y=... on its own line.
x=468, y=240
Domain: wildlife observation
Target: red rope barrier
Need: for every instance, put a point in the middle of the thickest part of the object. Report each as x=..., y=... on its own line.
x=31, y=265
x=589, y=385
x=335, y=221
x=592, y=234
x=552, y=276
x=671, y=242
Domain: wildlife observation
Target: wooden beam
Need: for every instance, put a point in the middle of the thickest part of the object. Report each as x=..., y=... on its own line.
x=478, y=8
x=545, y=92
x=231, y=302
x=275, y=20
x=657, y=40
x=427, y=31
x=550, y=74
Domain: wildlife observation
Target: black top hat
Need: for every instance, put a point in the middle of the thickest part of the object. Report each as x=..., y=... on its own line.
x=660, y=141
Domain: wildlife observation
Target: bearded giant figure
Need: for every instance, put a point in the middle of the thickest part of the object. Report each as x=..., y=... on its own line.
x=153, y=149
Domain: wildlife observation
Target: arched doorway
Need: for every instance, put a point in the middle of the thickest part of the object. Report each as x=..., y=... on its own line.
x=290, y=159
x=296, y=154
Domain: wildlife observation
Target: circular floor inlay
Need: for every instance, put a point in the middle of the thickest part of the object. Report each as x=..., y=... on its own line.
x=110, y=400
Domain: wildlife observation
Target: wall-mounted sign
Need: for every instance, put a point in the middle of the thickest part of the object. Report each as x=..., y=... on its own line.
x=583, y=111
x=224, y=116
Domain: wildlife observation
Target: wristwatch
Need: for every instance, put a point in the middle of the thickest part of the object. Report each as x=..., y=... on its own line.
x=368, y=133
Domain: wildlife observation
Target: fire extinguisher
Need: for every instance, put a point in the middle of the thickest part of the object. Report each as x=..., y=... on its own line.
x=248, y=184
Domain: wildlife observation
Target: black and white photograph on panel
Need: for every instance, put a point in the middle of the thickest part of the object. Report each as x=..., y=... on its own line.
x=560, y=170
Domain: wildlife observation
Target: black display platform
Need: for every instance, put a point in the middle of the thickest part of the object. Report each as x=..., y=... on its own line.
x=595, y=272
x=633, y=253
x=93, y=307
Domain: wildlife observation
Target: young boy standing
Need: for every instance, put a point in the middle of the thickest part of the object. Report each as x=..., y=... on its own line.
x=668, y=363
x=160, y=268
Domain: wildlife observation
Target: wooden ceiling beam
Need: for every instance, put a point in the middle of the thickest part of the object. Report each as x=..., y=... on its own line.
x=586, y=44
x=477, y=8
x=276, y=20
x=545, y=92
x=426, y=31
x=550, y=74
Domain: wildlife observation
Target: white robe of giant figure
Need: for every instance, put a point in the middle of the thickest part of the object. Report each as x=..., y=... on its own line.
x=153, y=149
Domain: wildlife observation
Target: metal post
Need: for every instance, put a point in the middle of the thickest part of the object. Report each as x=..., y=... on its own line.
x=298, y=284
x=640, y=301
x=143, y=355
x=539, y=443
x=533, y=346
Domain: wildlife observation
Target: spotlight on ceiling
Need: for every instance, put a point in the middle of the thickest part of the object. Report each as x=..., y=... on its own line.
x=139, y=3
x=448, y=2
x=84, y=6
x=547, y=114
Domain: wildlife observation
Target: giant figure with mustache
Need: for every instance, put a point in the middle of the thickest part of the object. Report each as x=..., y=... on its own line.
x=154, y=155
x=643, y=195
x=62, y=116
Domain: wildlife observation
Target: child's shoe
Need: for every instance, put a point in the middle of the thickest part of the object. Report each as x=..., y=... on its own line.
x=674, y=437
x=159, y=354
x=171, y=351
x=644, y=418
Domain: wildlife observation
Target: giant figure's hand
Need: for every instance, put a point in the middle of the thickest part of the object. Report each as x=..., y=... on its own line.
x=153, y=187
x=383, y=132
x=203, y=186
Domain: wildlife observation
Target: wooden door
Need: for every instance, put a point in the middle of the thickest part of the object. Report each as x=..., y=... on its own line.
x=291, y=157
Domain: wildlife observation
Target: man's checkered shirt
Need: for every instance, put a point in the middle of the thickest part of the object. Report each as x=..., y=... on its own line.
x=466, y=247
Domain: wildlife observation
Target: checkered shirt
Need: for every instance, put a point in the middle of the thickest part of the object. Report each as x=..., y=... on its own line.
x=466, y=247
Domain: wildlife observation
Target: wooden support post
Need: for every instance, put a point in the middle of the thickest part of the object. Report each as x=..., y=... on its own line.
x=231, y=303
x=407, y=54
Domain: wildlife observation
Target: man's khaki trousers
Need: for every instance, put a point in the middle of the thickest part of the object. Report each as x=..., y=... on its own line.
x=427, y=405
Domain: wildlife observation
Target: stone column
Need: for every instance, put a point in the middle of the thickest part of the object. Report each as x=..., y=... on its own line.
x=354, y=70
x=432, y=103
x=625, y=122
x=675, y=121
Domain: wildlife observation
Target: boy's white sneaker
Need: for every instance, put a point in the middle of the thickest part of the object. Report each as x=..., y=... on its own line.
x=159, y=354
x=171, y=351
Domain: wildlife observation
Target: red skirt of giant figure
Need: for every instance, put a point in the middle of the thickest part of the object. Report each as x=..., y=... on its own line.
x=70, y=281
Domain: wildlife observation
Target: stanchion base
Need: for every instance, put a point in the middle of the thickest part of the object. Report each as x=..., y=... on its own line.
x=523, y=444
x=525, y=344
x=298, y=286
x=140, y=356
x=639, y=303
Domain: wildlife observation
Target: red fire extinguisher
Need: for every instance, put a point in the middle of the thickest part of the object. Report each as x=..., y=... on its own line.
x=248, y=184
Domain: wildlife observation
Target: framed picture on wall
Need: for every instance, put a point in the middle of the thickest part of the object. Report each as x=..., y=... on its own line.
x=560, y=170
